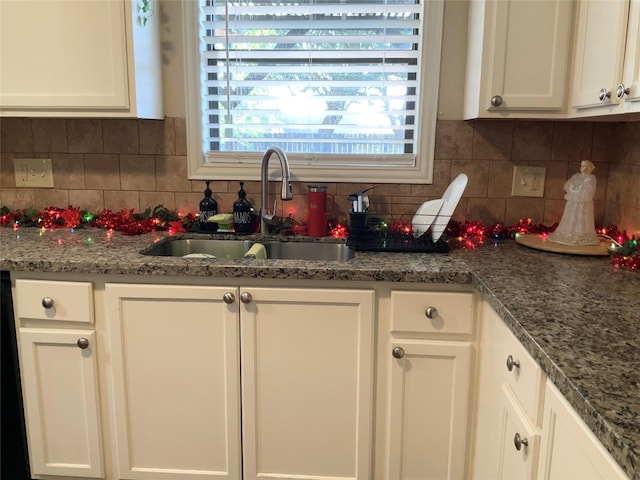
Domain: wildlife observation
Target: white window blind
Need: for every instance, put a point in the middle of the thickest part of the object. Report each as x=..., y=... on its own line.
x=333, y=83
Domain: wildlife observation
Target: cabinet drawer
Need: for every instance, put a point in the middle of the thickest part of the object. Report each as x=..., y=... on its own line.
x=432, y=312
x=69, y=301
x=520, y=441
x=522, y=374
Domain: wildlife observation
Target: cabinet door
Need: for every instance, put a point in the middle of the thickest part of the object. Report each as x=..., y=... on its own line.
x=175, y=369
x=600, y=45
x=307, y=390
x=63, y=55
x=428, y=413
x=569, y=450
x=631, y=74
x=61, y=402
x=518, y=57
x=519, y=441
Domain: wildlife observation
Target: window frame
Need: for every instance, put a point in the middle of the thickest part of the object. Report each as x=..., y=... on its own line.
x=246, y=165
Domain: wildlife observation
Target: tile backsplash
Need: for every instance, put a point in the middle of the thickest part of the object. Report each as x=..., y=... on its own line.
x=135, y=164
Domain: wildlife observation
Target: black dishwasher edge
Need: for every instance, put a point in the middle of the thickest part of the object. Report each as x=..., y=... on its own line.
x=14, y=456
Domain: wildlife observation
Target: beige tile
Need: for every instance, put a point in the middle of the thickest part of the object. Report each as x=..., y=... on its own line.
x=157, y=136
x=181, y=135
x=68, y=170
x=7, y=173
x=486, y=210
x=532, y=141
x=608, y=142
x=51, y=197
x=553, y=210
x=84, y=135
x=117, y=200
x=137, y=172
x=120, y=136
x=523, y=208
x=441, y=179
x=500, y=178
x=630, y=145
x=91, y=200
x=478, y=173
x=187, y=202
x=493, y=140
x=572, y=141
x=556, y=176
x=16, y=135
x=18, y=198
x=101, y=171
x=154, y=199
x=171, y=173
x=225, y=201
x=49, y=135
x=454, y=139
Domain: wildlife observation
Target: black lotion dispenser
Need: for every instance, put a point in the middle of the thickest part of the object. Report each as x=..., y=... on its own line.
x=242, y=213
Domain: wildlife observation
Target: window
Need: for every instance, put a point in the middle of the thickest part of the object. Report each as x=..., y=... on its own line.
x=347, y=88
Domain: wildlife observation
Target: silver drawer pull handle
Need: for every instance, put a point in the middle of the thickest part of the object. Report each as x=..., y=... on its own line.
x=512, y=363
x=519, y=442
x=82, y=343
x=431, y=312
x=47, y=302
x=245, y=297
x=228, y=298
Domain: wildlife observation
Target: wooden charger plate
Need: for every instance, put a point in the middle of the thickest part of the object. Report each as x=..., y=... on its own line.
x=541, y=243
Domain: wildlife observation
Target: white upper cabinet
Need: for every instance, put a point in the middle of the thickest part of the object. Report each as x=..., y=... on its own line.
x=76, y=59
x=518, y=58
x=607, y=57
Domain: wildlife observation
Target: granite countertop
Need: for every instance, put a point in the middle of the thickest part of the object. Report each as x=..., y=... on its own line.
x=578, y=316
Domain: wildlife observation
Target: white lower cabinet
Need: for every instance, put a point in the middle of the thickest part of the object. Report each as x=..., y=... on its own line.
x=60, y=389
x=569, y=449
x=429, y=385
x=175, y=381
x=299, y=361
x=524, y=428
x=59, y=372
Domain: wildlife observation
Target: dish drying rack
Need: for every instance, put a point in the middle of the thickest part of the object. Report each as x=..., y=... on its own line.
x=387, y=241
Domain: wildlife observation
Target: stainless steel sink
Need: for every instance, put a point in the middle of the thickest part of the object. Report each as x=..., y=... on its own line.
x=232, y=249
x=180, y=247
x=308, y=251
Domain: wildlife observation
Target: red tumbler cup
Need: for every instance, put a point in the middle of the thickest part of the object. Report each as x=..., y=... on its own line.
x=317, y=203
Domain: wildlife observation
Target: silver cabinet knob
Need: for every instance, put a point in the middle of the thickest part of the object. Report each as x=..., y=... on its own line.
x=245, y=297
x=496, y=101
x=519, y=442
x=228, y=298
x=604, y=95
x=621, y=91
x=47, y=302
x=512, y=363
x=431, y=312
x=82, y=343
x=397, y=352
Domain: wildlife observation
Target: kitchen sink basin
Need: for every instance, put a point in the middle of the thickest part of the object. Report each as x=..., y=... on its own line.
x=180, y=247
x=308, y=251
x=231, y=249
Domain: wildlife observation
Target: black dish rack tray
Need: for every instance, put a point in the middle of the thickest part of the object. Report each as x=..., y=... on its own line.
x=385, y=241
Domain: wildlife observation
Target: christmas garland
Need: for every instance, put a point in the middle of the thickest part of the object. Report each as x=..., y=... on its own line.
x=625, y=255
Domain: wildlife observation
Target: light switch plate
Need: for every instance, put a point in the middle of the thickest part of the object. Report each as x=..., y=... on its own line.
x=33, y=172
x=528, y=181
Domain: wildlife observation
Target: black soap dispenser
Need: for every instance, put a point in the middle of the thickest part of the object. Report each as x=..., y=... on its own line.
x=242, y=213
x=208, y=208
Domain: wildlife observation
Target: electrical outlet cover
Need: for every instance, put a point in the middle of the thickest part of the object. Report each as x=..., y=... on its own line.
x=528, y=181
x=33, y=172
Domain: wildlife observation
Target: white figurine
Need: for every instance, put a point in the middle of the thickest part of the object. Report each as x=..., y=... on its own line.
x=577, y=225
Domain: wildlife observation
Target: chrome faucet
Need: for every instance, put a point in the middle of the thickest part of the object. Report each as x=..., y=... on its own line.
x=285, y=194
